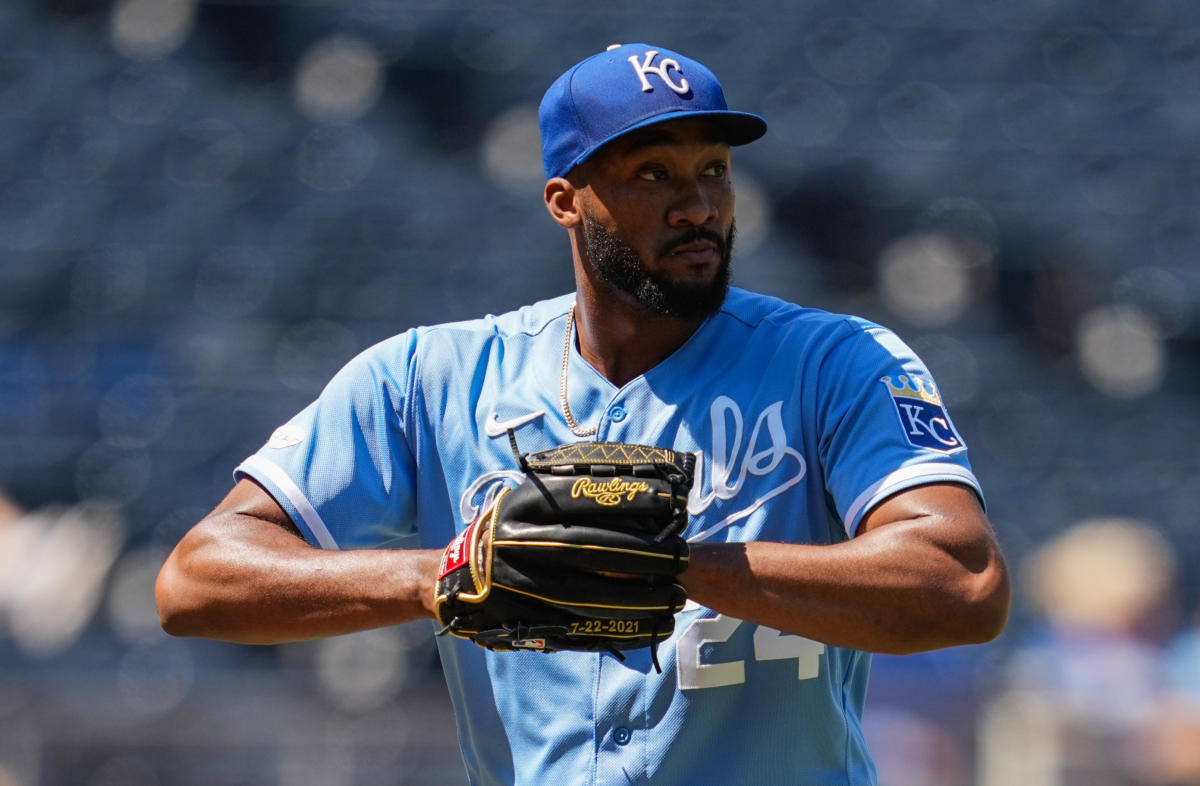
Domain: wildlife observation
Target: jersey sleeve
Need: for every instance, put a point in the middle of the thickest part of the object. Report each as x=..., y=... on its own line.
x=885, y=427
x=343, y=468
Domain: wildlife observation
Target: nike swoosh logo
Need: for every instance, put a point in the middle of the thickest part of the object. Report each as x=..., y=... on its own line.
x=495, y=427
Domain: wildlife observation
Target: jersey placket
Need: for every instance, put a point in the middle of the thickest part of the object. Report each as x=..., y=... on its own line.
x=621, y=719
x=624, y=417
x=619, y=415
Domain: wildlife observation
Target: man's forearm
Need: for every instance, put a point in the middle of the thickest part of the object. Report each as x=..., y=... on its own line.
x=241, y=579
x=886, y=591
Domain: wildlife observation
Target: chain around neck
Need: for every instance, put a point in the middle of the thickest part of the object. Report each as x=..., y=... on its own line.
x=562, y=380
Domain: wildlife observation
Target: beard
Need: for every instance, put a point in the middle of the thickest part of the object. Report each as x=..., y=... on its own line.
x=617, y=264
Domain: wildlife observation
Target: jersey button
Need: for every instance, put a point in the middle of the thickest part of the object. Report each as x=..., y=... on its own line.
x=622, y=735
x=616, y=414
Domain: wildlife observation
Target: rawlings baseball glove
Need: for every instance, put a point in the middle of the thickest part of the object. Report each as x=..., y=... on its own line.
x=582, y=555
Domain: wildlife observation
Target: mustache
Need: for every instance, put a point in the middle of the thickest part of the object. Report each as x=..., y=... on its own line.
x=691, y=236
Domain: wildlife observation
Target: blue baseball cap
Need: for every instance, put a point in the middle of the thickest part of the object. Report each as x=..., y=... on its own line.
x=627, y=87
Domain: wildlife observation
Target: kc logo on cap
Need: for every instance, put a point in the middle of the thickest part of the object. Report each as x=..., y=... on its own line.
x=645, y=67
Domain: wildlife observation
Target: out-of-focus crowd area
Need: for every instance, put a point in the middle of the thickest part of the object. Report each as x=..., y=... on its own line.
x=207, y=206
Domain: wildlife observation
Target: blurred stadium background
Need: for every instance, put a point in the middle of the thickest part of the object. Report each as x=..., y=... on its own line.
x=209, y=205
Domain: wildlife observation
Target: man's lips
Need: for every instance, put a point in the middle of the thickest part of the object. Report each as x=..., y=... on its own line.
x=696, y=251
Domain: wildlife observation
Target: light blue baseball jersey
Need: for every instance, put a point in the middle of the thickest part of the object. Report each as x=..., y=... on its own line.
x=802, y=420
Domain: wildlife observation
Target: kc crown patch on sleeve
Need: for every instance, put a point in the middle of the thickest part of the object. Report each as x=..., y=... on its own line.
x=923, y=417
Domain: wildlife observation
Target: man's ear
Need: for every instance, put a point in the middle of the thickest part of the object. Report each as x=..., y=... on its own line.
x=561, y=201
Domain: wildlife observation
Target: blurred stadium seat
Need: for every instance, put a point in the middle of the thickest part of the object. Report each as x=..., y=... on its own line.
x=207, y=208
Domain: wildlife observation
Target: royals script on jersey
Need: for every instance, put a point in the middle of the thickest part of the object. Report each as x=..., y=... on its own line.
x=802, y=420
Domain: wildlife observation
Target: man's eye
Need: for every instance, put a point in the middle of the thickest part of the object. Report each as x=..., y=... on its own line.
x=653, y=174
x=718, y=169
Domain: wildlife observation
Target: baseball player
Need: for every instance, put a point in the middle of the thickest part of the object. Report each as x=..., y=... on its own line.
x=830, y=511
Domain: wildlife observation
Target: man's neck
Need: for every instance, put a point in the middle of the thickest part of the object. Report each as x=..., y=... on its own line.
x=622, y=339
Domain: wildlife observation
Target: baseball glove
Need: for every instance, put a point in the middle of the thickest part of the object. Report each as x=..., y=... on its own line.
x=582, y=555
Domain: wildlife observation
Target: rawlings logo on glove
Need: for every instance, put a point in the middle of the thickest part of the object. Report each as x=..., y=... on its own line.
x=609, y=493
x=582, y=555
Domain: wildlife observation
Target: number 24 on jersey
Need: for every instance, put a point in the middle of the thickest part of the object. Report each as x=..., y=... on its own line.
x=769, y=644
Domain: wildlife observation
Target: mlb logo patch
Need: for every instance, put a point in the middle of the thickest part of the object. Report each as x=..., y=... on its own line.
x=529, y=644
x=923, y=418
x=286, y=436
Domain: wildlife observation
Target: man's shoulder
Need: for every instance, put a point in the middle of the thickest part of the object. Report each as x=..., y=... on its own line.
x=433, y=345
x=759, y=311
x=529, y=320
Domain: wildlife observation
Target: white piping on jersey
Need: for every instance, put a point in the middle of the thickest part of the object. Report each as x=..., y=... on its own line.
x=905, y=477
x=312, y=519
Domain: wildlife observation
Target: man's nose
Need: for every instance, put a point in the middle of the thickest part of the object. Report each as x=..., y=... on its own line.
x=693, y=206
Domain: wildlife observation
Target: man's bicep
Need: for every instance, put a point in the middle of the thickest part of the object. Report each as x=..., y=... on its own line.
x=934, y=502
x=941, y=537
x=248, y=498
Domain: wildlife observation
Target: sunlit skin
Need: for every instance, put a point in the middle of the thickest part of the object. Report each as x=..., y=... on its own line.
x=651, y=189
x=923, y=570
x=652, y=186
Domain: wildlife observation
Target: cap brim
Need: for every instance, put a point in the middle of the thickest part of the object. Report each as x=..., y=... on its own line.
x=738, y=128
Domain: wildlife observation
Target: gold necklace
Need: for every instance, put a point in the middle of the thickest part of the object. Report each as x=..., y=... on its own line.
x=562, y=381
